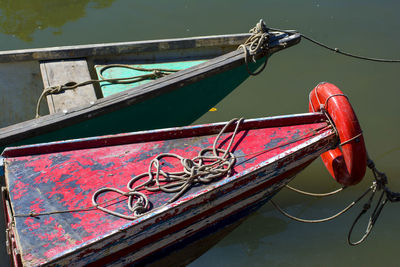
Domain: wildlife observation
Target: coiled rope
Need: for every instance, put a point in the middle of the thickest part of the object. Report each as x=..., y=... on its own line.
x=210, y=164
x=155, y=73
x=257, y=43
x=115, y=200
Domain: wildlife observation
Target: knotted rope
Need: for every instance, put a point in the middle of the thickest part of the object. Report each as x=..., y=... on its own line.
x=210, y=164
x=255, y=44
x=155, y=73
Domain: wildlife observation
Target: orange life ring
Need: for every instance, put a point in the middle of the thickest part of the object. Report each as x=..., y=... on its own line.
x=346, y=163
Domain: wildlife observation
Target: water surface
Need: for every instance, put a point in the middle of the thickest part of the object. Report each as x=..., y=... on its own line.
x=364, y=27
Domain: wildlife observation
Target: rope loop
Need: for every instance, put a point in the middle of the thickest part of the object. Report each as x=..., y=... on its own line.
x=323, y=219
x=152, y=73
x=210, y=164
x=372, y=219
x=257, y=43
x=379, y=184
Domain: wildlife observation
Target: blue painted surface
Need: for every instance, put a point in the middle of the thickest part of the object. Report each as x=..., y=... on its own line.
x=2, y=169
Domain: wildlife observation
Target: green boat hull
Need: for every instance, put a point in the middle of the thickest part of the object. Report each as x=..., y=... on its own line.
x=176, y=108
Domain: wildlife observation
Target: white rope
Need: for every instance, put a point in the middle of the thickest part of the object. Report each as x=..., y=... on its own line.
x=257, y=42
x=209, y=165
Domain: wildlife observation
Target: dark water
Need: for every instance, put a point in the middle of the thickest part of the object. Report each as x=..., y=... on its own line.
x=364, y=27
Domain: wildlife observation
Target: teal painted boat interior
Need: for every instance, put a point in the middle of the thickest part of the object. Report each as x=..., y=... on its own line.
x=108, y=88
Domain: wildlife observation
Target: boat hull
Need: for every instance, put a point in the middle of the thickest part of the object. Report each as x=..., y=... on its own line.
x=174, y=100
x=229, y=216
x=167, y=110
x=60, y=175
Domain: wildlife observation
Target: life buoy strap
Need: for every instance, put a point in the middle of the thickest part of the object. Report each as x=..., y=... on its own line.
x=346, y=163
x=351, y=139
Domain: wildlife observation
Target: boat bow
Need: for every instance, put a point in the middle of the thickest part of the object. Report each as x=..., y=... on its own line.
x=50, y=186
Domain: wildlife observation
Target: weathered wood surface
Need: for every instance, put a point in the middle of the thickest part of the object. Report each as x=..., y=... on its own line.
x=55, y=73
x=123, y=48
x=64, y=180
x=138, y=94
x=20, y=88
x=20, y=75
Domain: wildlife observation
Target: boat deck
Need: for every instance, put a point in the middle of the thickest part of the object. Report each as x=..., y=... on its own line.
x=65, y=175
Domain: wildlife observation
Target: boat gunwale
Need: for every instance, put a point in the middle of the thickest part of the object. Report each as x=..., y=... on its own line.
x=121, y=48
x=113, y=48
x=148, y=135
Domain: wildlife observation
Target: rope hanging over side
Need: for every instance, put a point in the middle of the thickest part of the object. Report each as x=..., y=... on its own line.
x=315, y=194
x=323, y=219
x=379, y=184
x=155, y=73
x=210, y=164
x=255, y=44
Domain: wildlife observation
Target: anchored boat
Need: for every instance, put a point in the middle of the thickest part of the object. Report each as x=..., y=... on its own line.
x=137, y=197
x=120, y=87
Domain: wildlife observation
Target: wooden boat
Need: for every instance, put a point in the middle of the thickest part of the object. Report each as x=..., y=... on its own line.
x=134, y=198
x=65, y=175
x=208, y=68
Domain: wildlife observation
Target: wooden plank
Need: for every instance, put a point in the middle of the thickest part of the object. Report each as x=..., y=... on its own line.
x=20, y=88
x=61, y=72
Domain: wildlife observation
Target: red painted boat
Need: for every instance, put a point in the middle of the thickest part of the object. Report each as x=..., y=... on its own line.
x=50, y=188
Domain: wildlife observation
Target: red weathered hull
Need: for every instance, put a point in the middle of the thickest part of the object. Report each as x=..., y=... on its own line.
x=65, y=175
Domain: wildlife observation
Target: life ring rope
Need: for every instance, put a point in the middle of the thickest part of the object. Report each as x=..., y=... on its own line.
x=323, y=110
x=353, y=150
x=351, y=139
x=347, y=162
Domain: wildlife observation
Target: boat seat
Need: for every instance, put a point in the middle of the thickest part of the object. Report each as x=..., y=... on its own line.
x=60, y=72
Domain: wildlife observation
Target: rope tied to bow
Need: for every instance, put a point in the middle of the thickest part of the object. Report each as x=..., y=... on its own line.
x=257, y=43
x=154, y=73
x=210, y=164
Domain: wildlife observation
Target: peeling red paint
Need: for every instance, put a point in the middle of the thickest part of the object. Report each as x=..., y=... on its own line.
x=66, y=180
x=20, y=189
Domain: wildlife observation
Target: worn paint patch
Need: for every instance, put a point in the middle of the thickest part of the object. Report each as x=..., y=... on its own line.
x=67, y=180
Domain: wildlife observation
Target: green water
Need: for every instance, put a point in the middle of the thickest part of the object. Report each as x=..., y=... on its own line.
x=364, y=27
